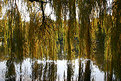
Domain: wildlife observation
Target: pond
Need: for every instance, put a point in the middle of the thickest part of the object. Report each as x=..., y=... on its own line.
x=49, y=70
x=60, y=40
x=38, y=69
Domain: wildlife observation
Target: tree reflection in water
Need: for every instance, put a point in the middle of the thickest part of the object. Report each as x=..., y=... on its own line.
x=44, y=71
x=10, y=72
x=87, y=74
x=66, y=70
x=70, y=71
x=83, y=40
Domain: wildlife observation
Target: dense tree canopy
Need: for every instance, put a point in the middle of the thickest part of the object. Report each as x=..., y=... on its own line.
x=73, y=28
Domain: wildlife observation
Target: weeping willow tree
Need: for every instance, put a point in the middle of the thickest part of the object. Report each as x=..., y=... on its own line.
x=84, y=23
x=0, y=9
x=42, y=35
x=66, y=14
x=13, y=30
x=116, y=38
x=116, y=30
x=71, y=25
x=18, y=32
x=45, y=37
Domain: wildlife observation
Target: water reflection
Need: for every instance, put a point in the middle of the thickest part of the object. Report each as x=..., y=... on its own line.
x=87, y=74
x=84, y=46
x=69, y=71
x=10, y=74
x=60, y=70
x=80, y=78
